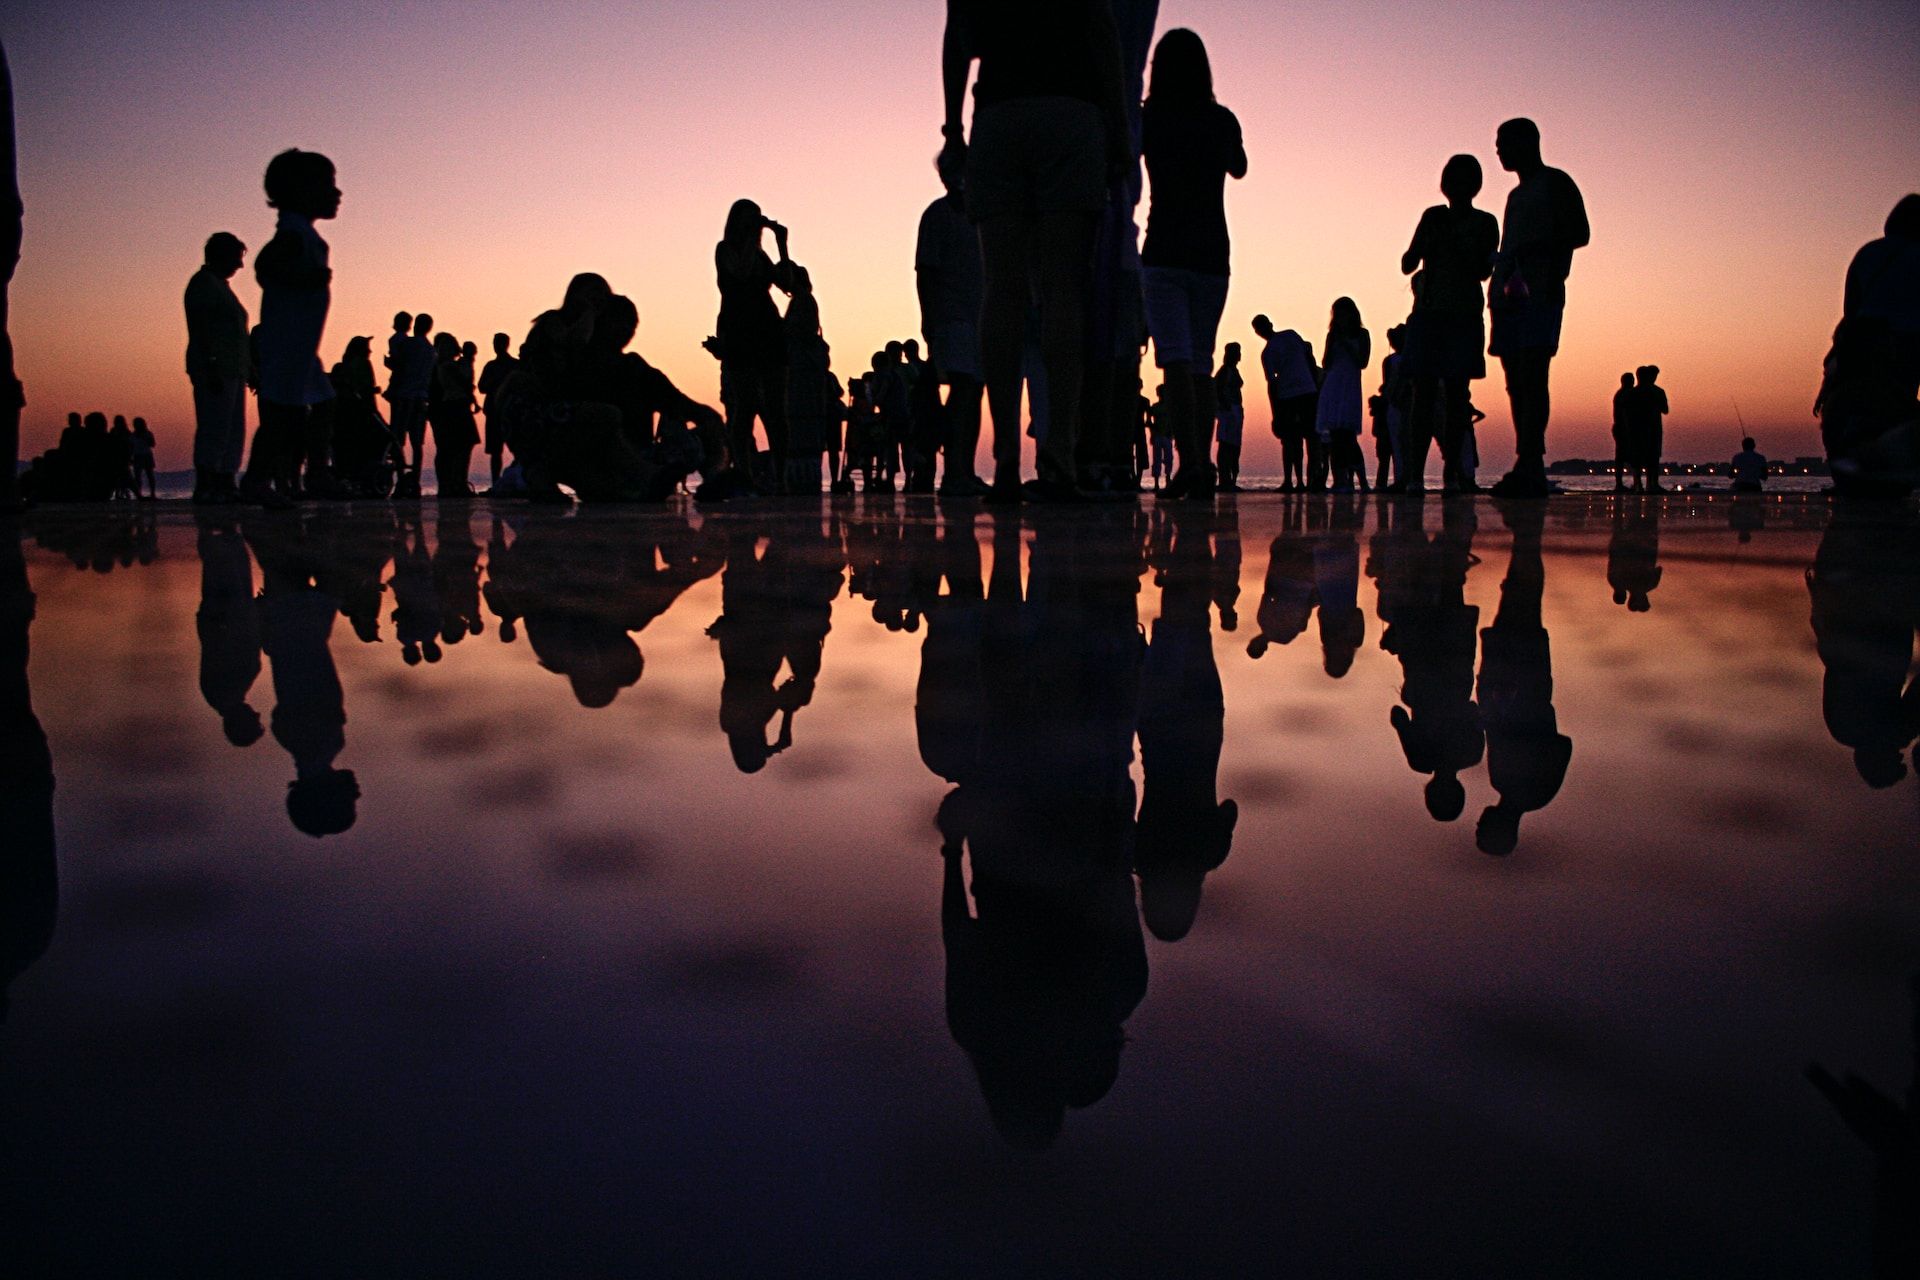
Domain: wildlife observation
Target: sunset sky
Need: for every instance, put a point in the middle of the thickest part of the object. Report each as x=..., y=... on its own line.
x=1733, y=157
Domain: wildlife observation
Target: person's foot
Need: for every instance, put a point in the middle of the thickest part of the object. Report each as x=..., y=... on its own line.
x=261, y=494
x=1656, y=487
x=1516, y=485
x=1177, y=488
x=323, y=484
x=1051, y=490
x=963, y=487
x=1004, y=493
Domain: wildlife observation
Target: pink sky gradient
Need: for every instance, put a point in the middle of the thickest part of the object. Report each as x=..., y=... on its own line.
x=1733, y=157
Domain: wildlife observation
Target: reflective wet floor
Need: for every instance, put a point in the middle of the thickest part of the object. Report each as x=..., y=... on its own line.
x=1298, y=886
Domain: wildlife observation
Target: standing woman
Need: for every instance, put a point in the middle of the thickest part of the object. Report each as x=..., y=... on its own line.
x=752, y=340
x=1192, y=145
x=1349, y=349
x=1452, y=250
x=450, y=412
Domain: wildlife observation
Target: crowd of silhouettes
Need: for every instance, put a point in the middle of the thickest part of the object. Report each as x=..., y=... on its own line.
x=94, y=462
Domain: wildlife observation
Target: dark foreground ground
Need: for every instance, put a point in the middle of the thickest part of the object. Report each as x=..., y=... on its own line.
x=1356, y=888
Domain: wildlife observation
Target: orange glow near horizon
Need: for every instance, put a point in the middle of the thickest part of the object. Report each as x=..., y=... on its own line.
x=1733, y=157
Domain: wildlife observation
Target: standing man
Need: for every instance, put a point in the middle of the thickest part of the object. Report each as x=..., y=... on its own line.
x=12, y=397
x=947, y=272
x=1546, y=221
x=492, y=378
x=217, y=359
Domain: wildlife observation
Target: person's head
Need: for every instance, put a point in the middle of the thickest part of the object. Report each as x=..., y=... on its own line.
x=324, y=805
x=500, y=344
x=1517, y=142
x=445, y=347
x=879, y=362
x=951, y=165
x=1262, y=327
x=402, y=321
x=1649, y=374
x=744, y=223
x=119, y=422
x=73, y=420
x=1626, y=379
x=139, y=425
x=1446, y=797
x=1904, y=222
x=468, y=351
x=422, y=325
x=1879, y=766
x=1345, y=316
x=224, y=253
x=96, y=421
x=1232, y=354
x=302, y=182
x=1181, y=76
x=359, y=349
x=895, y=353
x=1460, y=179
x=619, y=321
x=1396, y=336
x=912, y=348
x=1746, y=444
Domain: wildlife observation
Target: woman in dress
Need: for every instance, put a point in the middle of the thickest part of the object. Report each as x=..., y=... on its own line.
x=750, y=337
x=1342, y=408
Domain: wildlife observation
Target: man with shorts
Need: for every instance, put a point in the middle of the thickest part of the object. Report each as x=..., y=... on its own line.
x=1049, y=134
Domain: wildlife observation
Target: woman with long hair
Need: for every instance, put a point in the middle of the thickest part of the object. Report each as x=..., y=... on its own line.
x=750, y=338
x=1192, y=145
x=1342, y=408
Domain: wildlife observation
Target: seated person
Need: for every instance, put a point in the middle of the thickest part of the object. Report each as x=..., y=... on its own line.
x=1749, y=468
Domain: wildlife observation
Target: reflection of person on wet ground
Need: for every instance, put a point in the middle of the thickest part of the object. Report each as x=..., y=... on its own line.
x=1890, y=1127
x=1045, y=969
x=456, y=576
x=29, y=885
x=1527, y=755
x=1336, y=579
x=1288, y=596
x=776, y=609
x=1633, y=555
x=1435, y=633
x=1864, y=616
x=416, y=604
x=229, y=627
x=1184, y=830
x=309, y=714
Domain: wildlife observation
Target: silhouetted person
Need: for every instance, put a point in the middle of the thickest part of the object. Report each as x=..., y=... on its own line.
x=411, y=361
x=217, y=359
x=752, y=344
x=1861, y=589
x=1435, y=633
x=296, y=286
x=776, y=609
x=416, y=593
x=1546, y=220
x=309, y=714
x=143, y=474
x=1622, y=432
x=1890, y=1128
x=492, y=378
x=1633, y=555
x=456, y=575
x=949, y=277
x=450, y=411
x=1341, y=410
x=228, y=624
x=29, y=884
x=1453, y=247
x=1293, y=388
x=119, y=464
x=1184, y=830
x=1191, y=145
x=365, y=454
x=1049, y=134
x=812, y=392
x=1869, y=404
x=1527, y=754
x=1228, y=394
x=1648, y=408
x=12, y=395
x=1288, y=595
x=1748, y=468
x=668, y=434
x=1336, y=585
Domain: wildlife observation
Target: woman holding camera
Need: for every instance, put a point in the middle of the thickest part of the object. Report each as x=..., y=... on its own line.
x=750, y=340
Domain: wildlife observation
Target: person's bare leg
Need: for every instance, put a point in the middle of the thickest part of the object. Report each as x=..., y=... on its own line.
x=1063, y=275
x=1006, y=248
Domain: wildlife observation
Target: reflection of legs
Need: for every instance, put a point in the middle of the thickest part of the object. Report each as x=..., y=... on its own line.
x=1062, y=265
x=1006, y=247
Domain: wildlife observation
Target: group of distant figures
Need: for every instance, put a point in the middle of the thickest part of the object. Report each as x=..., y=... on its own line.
x=1036, y=294
x=95, y=463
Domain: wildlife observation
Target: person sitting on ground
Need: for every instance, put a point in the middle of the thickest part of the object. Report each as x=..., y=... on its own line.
x=1749, y=468
x=668, y=430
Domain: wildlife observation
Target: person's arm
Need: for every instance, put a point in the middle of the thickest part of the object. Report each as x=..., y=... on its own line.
x=1236, y=149
x=956, y=63
x=1575, y=231
x=1416, y=248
